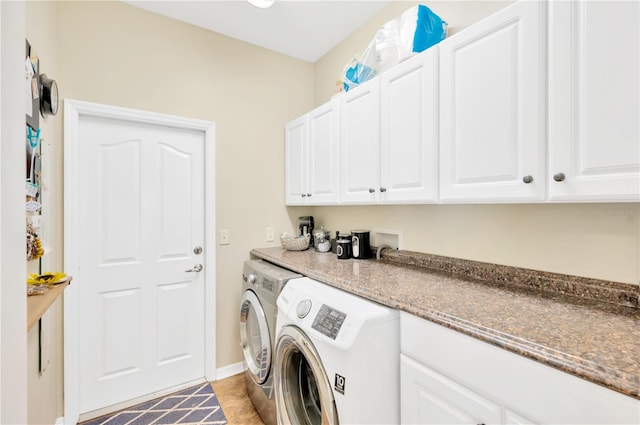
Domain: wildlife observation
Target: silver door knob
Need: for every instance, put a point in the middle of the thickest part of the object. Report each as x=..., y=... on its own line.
x=527, y=179
x=371, y=190
x=196, y=268
x=559, y=177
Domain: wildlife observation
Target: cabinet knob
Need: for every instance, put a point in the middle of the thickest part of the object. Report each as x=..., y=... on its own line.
x=371, y=190
x=383, y=189
x=559, y=177
x=308, y=195
x=304, y=195
x=527, y=179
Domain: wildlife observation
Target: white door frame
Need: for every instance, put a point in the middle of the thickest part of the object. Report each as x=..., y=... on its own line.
x=73, y=110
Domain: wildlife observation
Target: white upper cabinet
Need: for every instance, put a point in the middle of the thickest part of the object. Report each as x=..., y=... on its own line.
x=537, y=102
x=594, y=107
x=492, y=97
x=323, y=144
x=360, y=144
x=312, y=157
x=295, y=161
x=409, y=131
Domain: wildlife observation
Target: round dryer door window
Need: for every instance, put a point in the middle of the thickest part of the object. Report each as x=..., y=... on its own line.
x=254, y=337
x=303, y=392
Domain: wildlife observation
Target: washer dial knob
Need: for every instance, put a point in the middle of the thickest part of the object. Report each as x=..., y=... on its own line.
x=304, y=307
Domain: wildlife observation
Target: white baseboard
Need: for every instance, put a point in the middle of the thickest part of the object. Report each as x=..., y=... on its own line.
x=230, y=370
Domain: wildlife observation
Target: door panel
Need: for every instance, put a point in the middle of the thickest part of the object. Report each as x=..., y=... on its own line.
x=174, y=202
x=428, y=397
x=120, y=331
x=142, y=315
x=487, y=135
x=323, y=143
x=296, y=164
x=360, y=144
x=409, y=130
x=173, y=341
x=118, y=181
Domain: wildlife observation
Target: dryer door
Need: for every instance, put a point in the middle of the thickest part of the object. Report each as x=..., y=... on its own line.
x=303, y=390
x=254, y=337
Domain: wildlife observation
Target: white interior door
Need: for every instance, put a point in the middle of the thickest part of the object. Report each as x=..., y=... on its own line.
x=141, y=302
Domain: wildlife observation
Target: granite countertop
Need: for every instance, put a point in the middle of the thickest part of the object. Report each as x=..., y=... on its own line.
x=597, y=341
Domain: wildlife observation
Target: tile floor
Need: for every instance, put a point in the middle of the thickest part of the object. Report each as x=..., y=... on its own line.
x=236, y=405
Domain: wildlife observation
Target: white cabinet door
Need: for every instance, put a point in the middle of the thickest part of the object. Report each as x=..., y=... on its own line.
x=296, y=162
x=409, y=130
x=492, y=107
x=594, y=87
x=322, y=142
x=427, y=397
x=360, y=144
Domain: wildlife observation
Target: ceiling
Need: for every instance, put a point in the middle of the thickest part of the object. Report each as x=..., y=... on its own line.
x=304, y=29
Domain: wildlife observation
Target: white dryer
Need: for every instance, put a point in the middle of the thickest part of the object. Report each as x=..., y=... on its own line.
x=262, y=283
x=337, y=357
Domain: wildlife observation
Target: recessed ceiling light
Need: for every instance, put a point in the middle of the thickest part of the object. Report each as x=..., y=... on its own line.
x=262, y=4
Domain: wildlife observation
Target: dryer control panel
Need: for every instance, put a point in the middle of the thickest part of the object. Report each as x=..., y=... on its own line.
x=328, y=321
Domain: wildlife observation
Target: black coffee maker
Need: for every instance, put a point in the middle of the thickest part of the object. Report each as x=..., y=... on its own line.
x=305, y=225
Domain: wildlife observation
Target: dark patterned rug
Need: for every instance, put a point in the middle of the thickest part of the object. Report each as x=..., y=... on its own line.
x=194, y=406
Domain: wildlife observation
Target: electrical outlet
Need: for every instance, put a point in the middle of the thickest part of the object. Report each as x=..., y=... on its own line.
x=271, y=234
x=224, y=237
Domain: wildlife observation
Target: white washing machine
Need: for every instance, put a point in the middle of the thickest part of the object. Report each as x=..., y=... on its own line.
x=337, y=357
x=262, y=283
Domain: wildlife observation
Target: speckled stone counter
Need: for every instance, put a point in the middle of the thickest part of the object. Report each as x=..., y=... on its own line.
x=597, y=341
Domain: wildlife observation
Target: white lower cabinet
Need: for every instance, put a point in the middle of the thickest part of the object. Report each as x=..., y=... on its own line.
x=431, y=398
x=450, y=378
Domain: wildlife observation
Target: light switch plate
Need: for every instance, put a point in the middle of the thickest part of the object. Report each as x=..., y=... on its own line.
x=224, y=237
x=270, y=234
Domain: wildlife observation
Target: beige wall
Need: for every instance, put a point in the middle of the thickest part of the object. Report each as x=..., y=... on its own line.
x=594, y=240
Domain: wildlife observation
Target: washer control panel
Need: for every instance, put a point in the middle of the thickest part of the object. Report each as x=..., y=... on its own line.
x=328, y=321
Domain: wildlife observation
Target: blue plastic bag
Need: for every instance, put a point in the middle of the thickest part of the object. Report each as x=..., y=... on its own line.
x=357, y=74
x=414, y=31
x=430, y=29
